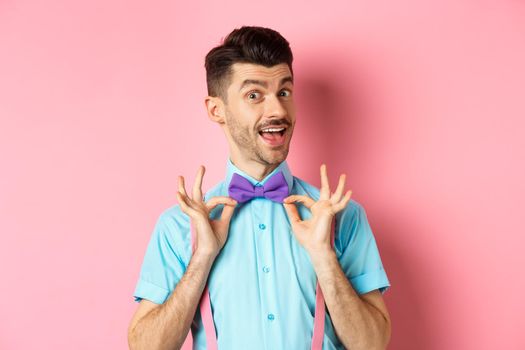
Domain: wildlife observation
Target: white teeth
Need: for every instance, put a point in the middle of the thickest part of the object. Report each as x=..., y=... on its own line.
x=272, y=130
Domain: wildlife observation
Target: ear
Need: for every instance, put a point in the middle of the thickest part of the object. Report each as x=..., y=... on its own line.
x=215, y=109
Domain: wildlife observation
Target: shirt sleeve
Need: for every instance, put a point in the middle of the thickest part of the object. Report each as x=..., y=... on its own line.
x=359, y=256
x=165, y=260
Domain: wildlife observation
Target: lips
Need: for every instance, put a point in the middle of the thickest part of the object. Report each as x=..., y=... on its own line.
x=275, y=138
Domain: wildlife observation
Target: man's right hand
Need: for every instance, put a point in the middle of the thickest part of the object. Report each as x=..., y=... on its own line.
x=211, y=235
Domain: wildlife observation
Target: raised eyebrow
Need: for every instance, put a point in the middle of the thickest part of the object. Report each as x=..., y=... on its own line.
x=264, y=84
x=287, y=79
x=253, y=82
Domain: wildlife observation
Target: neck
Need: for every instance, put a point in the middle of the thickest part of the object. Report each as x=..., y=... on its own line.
x=253, y=168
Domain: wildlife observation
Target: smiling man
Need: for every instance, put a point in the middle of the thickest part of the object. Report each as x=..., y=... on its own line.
x=264, y=260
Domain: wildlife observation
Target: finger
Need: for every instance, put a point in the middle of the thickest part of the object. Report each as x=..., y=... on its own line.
x=325, y=187
x=336, y=197
x=185, y=207
x=197, y=186
x=292, y=212
x=182, y=187
x=342, y=204
x=227, y=212
x=307, y=201
x=215, y=201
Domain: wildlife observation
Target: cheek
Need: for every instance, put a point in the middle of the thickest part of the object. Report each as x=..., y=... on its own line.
x=290, y=107
x=250, y=116
x=241, y=121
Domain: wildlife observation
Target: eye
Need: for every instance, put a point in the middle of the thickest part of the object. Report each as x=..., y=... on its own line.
x=285, y=93
x=254, y=95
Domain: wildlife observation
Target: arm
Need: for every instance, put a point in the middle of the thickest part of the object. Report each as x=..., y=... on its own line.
x=360, y=322
x=166, y=325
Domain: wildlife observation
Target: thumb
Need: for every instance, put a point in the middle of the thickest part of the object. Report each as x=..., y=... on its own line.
x=215, y=201
x=227, y=212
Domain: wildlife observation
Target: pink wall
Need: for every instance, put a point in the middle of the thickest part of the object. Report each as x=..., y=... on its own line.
x=101, y=107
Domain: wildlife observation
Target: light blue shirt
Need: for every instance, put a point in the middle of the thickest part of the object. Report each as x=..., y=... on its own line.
x=262, y=283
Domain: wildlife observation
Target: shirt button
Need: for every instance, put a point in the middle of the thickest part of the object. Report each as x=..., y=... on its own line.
x=271, y=317
x=262, y=226
x=266, y=269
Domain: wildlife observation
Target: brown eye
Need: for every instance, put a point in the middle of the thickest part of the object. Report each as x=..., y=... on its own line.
x=285, y=93
x=254, y=95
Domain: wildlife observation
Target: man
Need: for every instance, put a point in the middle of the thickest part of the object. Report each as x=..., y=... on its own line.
x=263, y=260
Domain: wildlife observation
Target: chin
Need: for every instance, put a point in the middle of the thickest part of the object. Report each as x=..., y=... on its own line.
x=276, y=157
x=271, y=155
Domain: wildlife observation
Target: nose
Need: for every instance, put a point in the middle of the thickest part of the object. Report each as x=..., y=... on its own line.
x=275, y=107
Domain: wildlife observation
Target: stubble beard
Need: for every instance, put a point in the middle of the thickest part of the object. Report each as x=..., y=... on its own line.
x=247, y=142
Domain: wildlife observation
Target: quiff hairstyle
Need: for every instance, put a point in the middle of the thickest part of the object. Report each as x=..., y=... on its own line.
x=248, y=44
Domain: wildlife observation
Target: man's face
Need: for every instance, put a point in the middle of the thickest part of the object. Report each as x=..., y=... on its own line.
x=260, y=112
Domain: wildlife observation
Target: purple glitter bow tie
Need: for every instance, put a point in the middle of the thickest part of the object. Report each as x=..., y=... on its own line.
x=275, y=188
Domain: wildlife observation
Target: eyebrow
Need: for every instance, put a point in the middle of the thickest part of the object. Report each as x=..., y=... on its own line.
x=264, y=84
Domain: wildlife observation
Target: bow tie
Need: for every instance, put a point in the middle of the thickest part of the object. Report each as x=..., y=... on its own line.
x=275, y=188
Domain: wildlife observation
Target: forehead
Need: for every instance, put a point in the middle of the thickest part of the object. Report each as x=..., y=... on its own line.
x=250, y=71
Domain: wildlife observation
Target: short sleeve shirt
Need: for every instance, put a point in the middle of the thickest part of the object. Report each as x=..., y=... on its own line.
x=262, y=284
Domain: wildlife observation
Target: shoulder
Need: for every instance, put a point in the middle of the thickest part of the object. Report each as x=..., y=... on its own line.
x=218, y=189
x=172, y=218
x=302, y=187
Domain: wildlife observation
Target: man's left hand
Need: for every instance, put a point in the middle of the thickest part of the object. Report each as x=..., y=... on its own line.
x=314, y=234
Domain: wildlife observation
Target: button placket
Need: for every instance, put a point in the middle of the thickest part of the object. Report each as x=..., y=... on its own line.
x=261, y=213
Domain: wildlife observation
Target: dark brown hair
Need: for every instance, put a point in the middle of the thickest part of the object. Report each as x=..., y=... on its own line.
x=247, y=44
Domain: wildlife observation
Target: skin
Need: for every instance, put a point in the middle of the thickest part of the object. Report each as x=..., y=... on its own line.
x=360, y=321
x=251, y=107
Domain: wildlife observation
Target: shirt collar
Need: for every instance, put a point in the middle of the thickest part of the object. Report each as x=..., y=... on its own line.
x=283, y=166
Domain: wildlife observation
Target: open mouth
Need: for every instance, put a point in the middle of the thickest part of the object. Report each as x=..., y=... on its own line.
x=274, y=136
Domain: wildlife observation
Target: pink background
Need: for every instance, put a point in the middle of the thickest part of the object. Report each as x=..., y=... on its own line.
x=421, y=103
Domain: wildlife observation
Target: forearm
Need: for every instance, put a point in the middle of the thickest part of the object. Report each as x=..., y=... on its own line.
x=167, y=326
x=357, y=324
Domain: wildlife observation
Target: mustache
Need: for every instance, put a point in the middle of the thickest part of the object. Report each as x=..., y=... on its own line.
x=282, y=122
